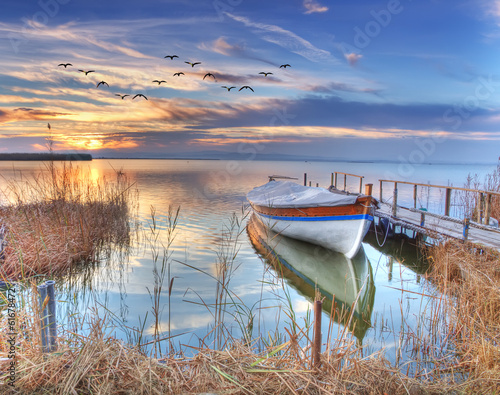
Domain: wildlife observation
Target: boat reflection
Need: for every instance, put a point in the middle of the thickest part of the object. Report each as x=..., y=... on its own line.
x=306, y=267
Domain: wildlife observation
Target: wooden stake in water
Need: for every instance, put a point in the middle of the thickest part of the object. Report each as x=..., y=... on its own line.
x=317, y=333
x=51, y=316
x=42, y=290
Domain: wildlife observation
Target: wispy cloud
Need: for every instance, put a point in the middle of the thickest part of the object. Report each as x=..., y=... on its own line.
x=286, y=39
x=313, y=6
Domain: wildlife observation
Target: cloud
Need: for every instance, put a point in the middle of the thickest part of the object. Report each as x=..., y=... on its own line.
x=353, y=58
x=313, y=6
x=26, y=114
x=286, y=39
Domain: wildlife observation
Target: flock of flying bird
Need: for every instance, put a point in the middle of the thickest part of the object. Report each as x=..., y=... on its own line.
x=178, y=74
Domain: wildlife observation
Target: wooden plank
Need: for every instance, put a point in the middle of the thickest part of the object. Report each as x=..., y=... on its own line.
x=446, y=228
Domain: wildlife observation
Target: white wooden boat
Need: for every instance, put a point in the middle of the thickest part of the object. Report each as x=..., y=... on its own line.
x=309, y=267
x=327, y=217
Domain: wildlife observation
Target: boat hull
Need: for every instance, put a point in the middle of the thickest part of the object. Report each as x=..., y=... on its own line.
x=340, y=228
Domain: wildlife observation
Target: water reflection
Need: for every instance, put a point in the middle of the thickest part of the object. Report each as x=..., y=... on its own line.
x=306, y=267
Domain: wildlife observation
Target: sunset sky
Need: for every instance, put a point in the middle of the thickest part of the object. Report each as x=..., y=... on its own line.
x=415, y=81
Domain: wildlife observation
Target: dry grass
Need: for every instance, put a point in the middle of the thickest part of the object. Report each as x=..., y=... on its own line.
x=97, y=363
x=470, y=277
x=62, y=217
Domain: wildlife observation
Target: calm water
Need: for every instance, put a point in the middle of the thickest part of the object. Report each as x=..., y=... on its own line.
x=209, y=194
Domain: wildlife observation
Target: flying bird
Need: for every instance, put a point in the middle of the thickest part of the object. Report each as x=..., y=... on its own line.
x=265, y=74
x=159, y=82
x=285, y=66
x=122, y=96
x=86, y=72
x=65, y=64
x=171, y=57
x=228, y=87
x=102, y=83
x=178, y=74
x=141, y=95
x=209, y=75
x=193, y=64
x=48, y=125
x=246, y=87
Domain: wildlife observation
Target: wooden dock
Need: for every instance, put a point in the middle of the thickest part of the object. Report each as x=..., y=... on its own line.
x=436, y=226
x=395, y=218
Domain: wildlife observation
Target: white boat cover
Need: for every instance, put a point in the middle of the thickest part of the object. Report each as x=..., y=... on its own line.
x=286, y=194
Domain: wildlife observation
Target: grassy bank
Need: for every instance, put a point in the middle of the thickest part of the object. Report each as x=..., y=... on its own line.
x=60, y=218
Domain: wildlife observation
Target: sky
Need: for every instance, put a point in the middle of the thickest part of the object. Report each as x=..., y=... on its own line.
x=412, y=81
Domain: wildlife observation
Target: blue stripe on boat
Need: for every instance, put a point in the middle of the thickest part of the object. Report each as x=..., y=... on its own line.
x=326, y=218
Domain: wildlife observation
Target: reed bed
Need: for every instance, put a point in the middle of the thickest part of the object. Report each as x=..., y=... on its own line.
x=98, y=363
x=470, y=277
x=61, y=217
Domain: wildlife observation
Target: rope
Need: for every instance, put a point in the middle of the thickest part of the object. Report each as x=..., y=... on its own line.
x=376, y=235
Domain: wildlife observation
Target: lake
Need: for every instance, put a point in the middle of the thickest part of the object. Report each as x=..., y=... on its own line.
x=212, y=227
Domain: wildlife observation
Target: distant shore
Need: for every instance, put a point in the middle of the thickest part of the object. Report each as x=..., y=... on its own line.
x=45, y=157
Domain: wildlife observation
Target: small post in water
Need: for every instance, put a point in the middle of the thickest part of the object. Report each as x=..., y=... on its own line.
x=42, y=290
x=51, y=316
x=317, y=332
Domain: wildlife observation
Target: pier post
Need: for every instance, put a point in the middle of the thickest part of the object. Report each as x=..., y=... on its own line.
x=415, y=196
x=335, y=185
x=345, y=181
x=447, y=202
x=395, y=200
x=480, y=208
x=487, y=209
x=360, y=184
x=331, y=180
x=368, y=189
x=51, y=316
x=466, y=228
x=380, y=190
x=42, y=291
x=305, y=179
x=316, y=354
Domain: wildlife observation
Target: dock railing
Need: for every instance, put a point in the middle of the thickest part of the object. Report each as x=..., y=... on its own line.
x=484, y=200
x=334, y=179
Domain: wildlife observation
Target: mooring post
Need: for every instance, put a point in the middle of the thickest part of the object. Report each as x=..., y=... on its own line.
x=335, y=185
x=317, y=334
x=368, y=189
x=380, y=190
x=487, y=209
x=345, y=181
x=42, y=290
x=415, y=196
x=331, y=180
x=447, y=202
x=360, y=184
x=480, y=208
x=51, y=316
x=466, y=228
x=395, y=200
x=305, y=179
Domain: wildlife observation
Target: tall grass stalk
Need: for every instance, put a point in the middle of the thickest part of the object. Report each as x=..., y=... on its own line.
x=161, y=268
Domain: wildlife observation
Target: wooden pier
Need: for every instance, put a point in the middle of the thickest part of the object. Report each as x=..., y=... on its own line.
x=396, y=218
x=440, y=226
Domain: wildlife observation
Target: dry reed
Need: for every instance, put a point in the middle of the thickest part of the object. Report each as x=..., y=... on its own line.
x=61, y=217
x=471, y=278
